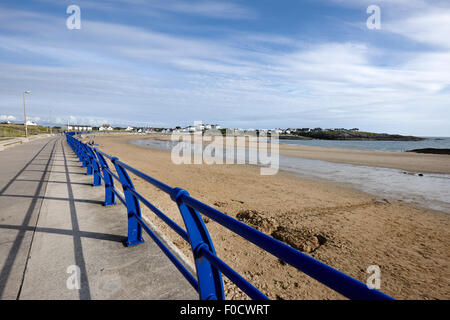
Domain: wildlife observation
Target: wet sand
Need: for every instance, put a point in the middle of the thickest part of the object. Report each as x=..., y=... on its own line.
x=414, y=162
x=343, y=227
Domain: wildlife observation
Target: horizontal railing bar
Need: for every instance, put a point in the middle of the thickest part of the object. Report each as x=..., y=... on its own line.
x=106, y=155
x=338, y=281
x=112, y=173
x=164, y=187
x=235, y=277
x=93, y=151
x=119, y=196
x=189, y=277
x=160, y=214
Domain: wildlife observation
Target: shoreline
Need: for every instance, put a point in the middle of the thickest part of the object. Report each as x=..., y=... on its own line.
x=430, y=150
x=343, y=227
x=426, y=190
x=407, y=161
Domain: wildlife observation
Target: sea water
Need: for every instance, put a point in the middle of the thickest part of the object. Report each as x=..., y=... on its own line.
x=429, y=190
x=428, y=142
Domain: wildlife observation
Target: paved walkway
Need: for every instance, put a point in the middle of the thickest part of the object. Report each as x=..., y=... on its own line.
x=54, y=227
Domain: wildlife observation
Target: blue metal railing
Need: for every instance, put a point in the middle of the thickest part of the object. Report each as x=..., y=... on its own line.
x=209, y=268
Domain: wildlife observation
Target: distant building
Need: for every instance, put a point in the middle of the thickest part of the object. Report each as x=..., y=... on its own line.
x=129, y=128
x=210, y=126
x=196, y=127
x=199, y=127
x=77, y=127
x=31, y=123
x=105, y=127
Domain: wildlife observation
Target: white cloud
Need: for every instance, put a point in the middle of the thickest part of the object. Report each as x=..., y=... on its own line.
x=122, y=74
x=7, y=118
x=204, y=8
x=217, y=9
x=430, y=27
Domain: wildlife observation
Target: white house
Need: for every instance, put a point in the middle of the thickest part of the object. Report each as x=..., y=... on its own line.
x=31, y=123
x=78, y=128
x=199, y=127
x=129, y=128
x=105, y=127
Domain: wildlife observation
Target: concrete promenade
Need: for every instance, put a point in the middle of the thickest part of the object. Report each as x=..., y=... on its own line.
x=54, y=228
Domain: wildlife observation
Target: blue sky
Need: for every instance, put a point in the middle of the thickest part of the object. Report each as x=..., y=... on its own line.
x=244, y=64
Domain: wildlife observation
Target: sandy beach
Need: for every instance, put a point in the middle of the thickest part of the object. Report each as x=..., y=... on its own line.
x=343, y=227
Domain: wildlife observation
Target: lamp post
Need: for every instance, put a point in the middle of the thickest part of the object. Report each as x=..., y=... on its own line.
x=25, y=113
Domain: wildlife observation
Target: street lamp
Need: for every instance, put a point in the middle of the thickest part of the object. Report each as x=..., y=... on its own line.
x=25, y=113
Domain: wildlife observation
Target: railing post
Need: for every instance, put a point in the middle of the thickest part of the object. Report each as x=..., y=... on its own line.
x=76, y=147
x=87, y=159
x=80, y=153
x=133, y=207
x=110, y=197
x=69, y=142
x=95, y=166
x=209, y=277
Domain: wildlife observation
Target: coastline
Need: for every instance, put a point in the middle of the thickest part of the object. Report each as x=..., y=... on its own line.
x=408, y=161
x=355, y=229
